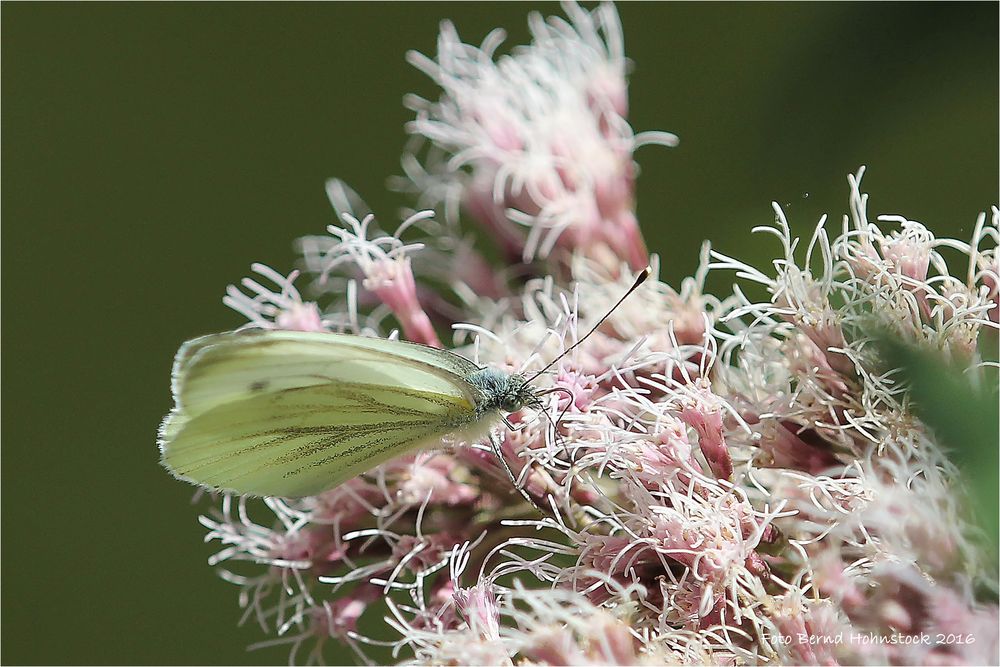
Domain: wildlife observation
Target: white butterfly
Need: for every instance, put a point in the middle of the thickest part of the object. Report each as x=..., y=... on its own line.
x=292, y=414
x=288, y=413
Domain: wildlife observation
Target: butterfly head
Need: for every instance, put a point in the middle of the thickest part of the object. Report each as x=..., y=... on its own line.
x=510, y=392
x=502, y=391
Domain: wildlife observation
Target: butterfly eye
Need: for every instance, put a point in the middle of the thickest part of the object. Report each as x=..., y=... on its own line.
x=511, y=404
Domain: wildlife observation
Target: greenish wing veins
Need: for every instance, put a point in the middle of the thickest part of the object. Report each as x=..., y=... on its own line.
x=301, y=441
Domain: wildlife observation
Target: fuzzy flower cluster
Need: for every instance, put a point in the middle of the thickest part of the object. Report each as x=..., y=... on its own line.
x=734, y=480
x=534, y=146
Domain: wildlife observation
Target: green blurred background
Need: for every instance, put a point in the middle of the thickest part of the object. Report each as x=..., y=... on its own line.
x=151, y=152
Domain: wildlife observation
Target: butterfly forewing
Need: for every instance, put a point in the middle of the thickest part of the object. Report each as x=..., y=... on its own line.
x=220, y=368
x=293, y=414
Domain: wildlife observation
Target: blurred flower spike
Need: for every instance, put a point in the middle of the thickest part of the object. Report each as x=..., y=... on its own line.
x=723, y=479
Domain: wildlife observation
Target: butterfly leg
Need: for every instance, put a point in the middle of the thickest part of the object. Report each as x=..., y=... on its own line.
x=554, y=425
x=495, y=444
x=510, y=425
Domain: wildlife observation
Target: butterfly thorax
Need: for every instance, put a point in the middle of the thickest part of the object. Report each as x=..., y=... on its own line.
x=500, y=391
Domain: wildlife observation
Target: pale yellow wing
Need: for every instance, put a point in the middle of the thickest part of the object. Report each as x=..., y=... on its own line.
x=293, y=414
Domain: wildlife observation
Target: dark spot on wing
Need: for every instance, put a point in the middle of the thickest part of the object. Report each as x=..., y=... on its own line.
x=259, y=385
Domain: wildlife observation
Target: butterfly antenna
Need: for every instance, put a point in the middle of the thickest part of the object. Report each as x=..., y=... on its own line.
x=640, y=279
